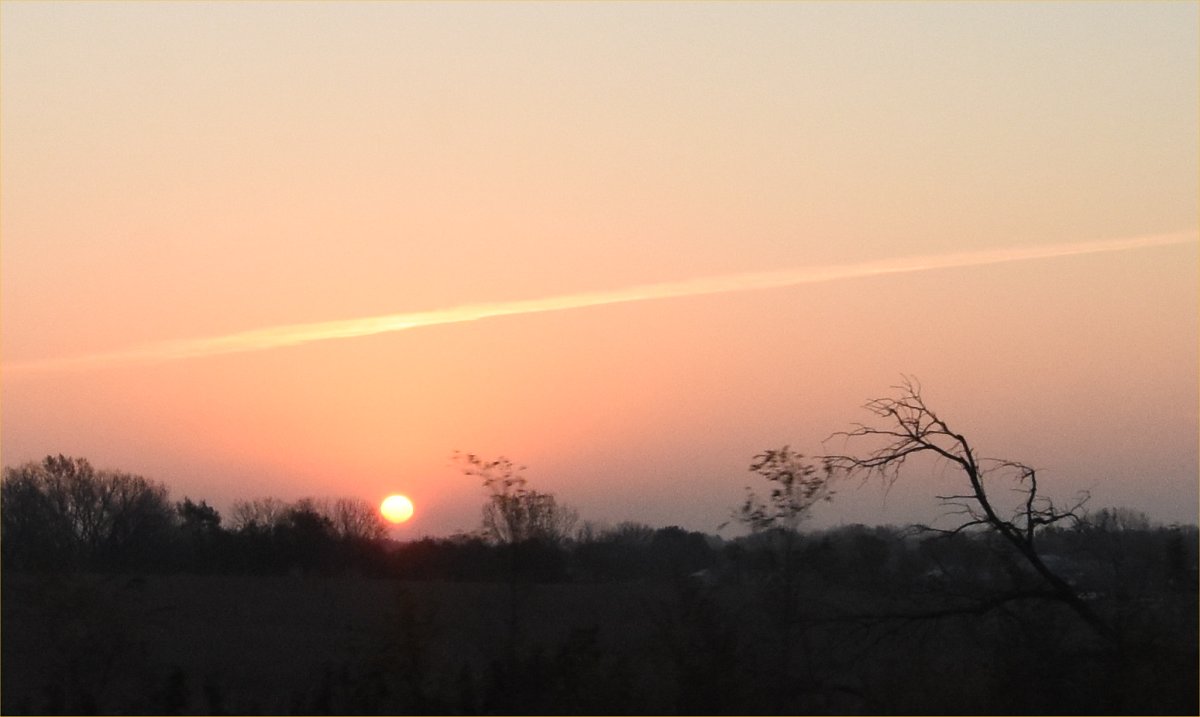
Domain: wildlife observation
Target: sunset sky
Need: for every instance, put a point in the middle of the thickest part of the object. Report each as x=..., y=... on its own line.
x=294, y=249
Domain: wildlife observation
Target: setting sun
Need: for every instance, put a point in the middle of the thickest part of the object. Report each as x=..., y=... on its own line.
x=396, y=508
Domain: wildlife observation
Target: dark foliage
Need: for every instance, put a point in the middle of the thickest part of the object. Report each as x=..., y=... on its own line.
x=285, y=608
x=63, y=512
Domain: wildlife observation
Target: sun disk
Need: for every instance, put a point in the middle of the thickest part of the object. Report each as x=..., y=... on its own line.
x=396, y=508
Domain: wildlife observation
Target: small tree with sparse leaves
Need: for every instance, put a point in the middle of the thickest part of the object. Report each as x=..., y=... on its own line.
x=515, y=513
x=797, y=486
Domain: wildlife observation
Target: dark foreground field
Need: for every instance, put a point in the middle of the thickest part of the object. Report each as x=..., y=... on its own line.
x=179, y=644
x=283, y=644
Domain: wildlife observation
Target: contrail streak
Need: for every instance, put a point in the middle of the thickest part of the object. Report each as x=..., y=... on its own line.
x=295, y=334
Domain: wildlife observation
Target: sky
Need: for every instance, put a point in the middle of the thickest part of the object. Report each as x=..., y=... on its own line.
x=312, y=249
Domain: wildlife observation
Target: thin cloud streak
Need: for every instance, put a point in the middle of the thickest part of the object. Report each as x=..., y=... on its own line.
x=297, y=334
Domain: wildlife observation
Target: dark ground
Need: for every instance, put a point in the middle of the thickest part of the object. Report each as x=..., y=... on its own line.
x=259, y=644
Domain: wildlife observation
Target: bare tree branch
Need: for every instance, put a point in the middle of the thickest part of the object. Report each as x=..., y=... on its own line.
x=910, y=427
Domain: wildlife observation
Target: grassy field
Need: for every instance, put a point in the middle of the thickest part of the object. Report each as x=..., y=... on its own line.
x=267, y=643
x=230, y=644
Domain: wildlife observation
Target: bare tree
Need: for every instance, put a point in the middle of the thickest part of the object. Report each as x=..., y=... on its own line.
x=911, y=428
x=357, y=519
x=351, y=518
x=514, y=512
x=72, y=512
x=257, y=514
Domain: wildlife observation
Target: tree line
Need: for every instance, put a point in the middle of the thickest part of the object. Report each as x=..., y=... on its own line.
x=63, y=514
x=1075, y=609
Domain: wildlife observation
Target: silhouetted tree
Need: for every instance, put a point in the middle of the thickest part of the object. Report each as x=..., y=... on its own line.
x=63, y=512
x=35, y=534
x=198, y=518
x=797, y=485
x=330, y=535
x=257, y=514
x=528, y=526
x=305, y=536
x=201, y=533
x=356, y=519
x=911, y=428
x=515, y=513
